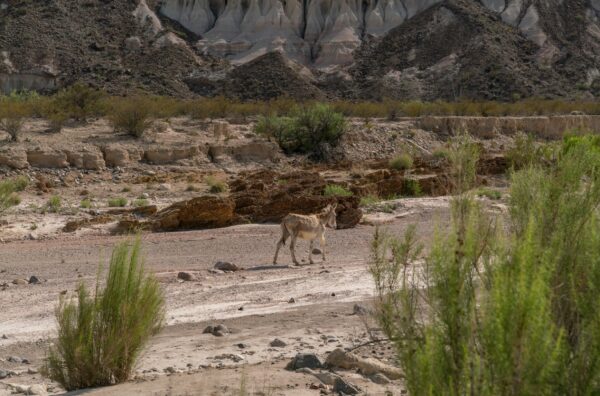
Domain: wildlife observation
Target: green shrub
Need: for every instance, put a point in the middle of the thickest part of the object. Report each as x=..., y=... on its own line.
x=54, y=204
x=215, y=185
x=117, y=202
x=101, y=336
x=85, y=203
x=21, y=183
x=191, y=188
x=369, y=200
x=334, y=190
x=12, y=118
x=310, y=130
x=440, y=154
x=8, y=195
x=494, y=314
x=401, y=162
x=489, y=193
x=411, y=188
x=131, y=116
x=140, y=202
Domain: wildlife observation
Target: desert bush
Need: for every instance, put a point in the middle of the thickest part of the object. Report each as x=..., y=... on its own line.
x=85, y=203
x=117, y=202
x=131, y=115
x=278, y=128
x=12, y=118
x=496, y=314
x=215, y=185
x=140, y=202
x=78, y=101
x=54, y=204
x=401, y=162
x=369, y=200
x=8, y=195
x=101, y=336
x=310, y=130
x=21, y=183
x=334, y=190
x=411, y=188
x=489, y=193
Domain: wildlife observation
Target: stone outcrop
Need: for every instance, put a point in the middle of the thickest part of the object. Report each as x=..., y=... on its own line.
x=47, y=157
x=86, y=158
x=14, y=157
x=201, y=212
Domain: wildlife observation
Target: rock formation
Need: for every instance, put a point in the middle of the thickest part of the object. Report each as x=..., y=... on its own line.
x=319, y=32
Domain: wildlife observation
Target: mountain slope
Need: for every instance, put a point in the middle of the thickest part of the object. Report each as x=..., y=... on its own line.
x=354, y=49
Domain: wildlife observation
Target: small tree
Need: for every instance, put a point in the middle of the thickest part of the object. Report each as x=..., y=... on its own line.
x=8, y=195
x=77, y=101
x=100, y=337
x=12, y=118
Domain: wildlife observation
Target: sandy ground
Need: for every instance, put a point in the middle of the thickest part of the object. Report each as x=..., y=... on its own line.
x=254, y=304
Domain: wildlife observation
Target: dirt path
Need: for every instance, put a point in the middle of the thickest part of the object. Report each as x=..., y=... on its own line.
x=253, y=303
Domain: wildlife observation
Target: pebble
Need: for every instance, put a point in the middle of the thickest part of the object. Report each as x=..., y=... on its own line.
x=277, y=343
x=34, y=280
x=304, y=360
x=186, y=276
x=226, y=266
x=3, y=374
x=291, y=301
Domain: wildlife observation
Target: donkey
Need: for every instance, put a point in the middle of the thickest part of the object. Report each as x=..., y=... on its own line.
x=309, y=228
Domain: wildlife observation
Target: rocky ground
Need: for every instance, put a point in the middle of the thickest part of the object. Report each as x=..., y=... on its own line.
x=262, y=315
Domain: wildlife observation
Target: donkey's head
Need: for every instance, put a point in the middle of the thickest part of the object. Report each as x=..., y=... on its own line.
x=328, y=216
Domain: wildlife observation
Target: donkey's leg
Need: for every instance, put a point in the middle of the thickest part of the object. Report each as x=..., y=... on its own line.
x=292, y=247
x=279, y=245
x=310, y=249
x=323, y=246
x=284, y=236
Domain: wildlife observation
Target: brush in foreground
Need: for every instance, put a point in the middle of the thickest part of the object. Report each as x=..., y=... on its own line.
x=100, y=337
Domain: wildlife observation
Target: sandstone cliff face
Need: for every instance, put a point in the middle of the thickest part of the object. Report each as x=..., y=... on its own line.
x=319, y=32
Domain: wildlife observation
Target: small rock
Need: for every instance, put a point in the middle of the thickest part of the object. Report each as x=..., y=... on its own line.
x=218, y=333
x=344, y=387
x=3, y=374
x=380, y=379
x=145, y=195
x=31, y=371
x=332, y=294
x=277, y=343
x=226, y=266
x=291, y=301
x=208, y=330
x=170, y=370
x=164, y=187
x=39, y=390
x=20, y=282
x=241, y=345
x=4, y=337
x=15, y=359
x=186, y=276
x=316, y=251
x=304, y=360
x=240, y=308
x=359, y=310
x=34, y=280
x=222, y=327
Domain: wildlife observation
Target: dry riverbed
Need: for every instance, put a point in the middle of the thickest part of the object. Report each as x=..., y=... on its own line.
x=308, y=309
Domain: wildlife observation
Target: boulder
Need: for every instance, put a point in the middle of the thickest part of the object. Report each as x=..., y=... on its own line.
x=304, y=360
x=86, y=158
x=14, y=157
x=120, y=155
x=47, y=157
x=226, y=266
x=200, y=212
x=343, y=387
x=161, y=155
